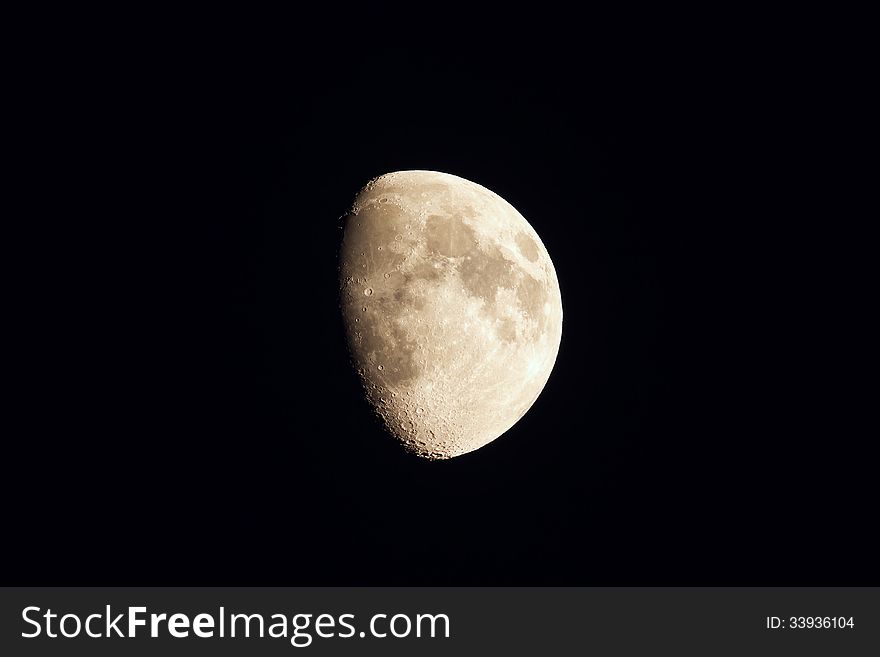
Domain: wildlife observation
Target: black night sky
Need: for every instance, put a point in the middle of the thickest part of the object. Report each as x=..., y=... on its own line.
x=192, y=417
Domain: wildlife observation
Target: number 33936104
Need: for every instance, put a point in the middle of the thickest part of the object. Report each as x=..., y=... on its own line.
x=811, y=623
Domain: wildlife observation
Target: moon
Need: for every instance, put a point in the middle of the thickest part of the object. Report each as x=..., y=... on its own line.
x=452, y=310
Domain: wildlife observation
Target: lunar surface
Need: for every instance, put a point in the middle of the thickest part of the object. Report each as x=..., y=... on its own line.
x=452, y=310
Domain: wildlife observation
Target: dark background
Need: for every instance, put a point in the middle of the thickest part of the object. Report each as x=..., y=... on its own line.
x=189, y=413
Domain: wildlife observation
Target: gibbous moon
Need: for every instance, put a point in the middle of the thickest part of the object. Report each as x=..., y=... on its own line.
x=452, y=310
